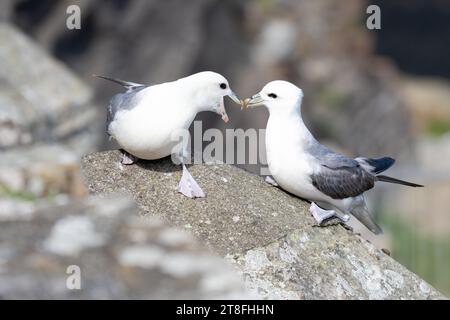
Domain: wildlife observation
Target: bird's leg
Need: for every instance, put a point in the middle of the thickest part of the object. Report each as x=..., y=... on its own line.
x=127, y=158
x=188, y=186
x=271, y=181
x=321, y=214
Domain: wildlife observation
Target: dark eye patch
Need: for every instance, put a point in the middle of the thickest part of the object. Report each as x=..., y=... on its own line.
x=223, y=86
x=272, y=95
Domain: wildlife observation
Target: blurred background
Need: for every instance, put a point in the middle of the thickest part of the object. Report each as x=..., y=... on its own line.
x=367, y=92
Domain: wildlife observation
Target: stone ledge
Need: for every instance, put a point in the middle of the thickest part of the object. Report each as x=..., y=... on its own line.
x=266, y=233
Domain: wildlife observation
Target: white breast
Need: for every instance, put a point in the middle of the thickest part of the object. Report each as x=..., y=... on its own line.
x=150, y=130
x=288, y=164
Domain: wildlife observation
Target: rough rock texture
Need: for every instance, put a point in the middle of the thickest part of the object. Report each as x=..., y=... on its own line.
x=41, y=170
x=233, y=218
x=40, y=99
x=119, y=255
x=47, y=120
x=266, y=233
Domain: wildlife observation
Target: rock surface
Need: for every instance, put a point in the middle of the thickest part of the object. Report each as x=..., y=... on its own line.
x=44, y=101
x=47, y=120
x=41, y=170
x=117, y=254
x=267, y=234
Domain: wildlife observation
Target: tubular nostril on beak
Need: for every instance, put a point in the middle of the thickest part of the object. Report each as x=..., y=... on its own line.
x=235, y=98
x=255, y=100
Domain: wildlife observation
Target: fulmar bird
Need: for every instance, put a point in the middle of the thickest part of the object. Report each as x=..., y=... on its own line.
x=146, y=121
x=302, y=166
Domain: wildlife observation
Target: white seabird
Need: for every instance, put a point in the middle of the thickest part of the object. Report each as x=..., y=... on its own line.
x=145, y=120
x=302, y=166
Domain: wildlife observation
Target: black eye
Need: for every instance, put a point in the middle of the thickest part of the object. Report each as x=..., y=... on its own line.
x=223, y=86
x=272, y=95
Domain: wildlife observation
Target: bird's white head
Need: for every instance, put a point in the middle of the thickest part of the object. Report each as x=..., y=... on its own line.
x=277, y=96
x=209, y=89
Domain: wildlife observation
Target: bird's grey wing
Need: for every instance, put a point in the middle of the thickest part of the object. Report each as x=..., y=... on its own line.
x=328, y=158
x=342, y=182
x=123, y=101
x=338, y=176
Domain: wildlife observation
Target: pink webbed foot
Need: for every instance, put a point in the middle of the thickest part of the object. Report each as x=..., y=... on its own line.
x=320, y=215
x=271, y=181
x=127, y=158
x=188, y=186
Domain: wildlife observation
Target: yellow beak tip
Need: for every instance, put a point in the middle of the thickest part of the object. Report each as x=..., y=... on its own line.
x=245, y=102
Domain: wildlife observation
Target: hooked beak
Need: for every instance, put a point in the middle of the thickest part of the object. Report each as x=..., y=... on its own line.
x=255, y=101
x=223, y=113
x=235, y=98
x=222, y=110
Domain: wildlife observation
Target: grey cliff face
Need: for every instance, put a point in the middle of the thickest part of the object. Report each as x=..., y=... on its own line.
x=119, y=256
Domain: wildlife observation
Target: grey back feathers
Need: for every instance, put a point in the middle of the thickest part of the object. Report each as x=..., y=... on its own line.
x=122, y=101
x=328, y=157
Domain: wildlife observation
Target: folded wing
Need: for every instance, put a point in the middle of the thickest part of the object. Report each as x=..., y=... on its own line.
x=339, y=176
x=344, y=182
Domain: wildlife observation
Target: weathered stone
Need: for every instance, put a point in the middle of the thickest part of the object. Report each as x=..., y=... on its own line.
x=119, y=255
x=41, y=171
x=40, y=99
x=47, y=121
x=238, y=207
x=268, y=234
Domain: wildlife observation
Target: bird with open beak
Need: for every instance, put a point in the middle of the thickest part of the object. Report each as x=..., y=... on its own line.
x=302, y=166
x=145, y=120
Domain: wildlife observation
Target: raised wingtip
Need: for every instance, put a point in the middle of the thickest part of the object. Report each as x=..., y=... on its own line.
x=420, y=186
x=377, y=232
x=389, y=159
x=398, y=181
x=99, y=76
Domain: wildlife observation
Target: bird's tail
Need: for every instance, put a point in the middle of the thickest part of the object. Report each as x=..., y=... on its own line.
x=363, y=215
x=376, y=165
x=123, y=83
x=397, y=181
